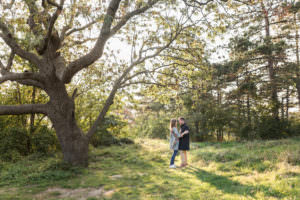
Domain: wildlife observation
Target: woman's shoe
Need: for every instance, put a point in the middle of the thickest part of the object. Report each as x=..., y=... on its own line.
x=172, y=166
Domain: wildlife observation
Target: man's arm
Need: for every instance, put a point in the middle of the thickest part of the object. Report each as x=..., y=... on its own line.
x=186, y=131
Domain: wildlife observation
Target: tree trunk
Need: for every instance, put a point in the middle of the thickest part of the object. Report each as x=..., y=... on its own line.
x=298, y=60
x=248, y=110
x=222, y=135
x=32, y=116
x=272, y=73
x=18, y=97
x=298, y=89
x=74, y=144
x=282, y=108
x=197, y=133
x=287, y=102
x=219, y=135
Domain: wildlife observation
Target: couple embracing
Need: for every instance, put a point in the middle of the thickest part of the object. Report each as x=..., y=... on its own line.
x=179, y=141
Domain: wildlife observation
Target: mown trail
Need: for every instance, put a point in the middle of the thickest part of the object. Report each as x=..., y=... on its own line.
x=250, y=170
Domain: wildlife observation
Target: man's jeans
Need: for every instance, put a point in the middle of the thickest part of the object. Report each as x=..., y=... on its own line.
x=173, y=157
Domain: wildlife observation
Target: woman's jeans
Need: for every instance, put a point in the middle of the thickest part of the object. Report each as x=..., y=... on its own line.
x=173, y=157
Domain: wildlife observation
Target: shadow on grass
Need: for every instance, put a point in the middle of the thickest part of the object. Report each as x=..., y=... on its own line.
x=222, y=157
x=217, y=145
x=230, y=186
x=40, y=173
x=130, y=156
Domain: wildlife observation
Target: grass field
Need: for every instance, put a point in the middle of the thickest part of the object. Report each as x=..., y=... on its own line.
x=248, y=170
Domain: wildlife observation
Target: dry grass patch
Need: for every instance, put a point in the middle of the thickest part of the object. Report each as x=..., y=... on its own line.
x=78, y=194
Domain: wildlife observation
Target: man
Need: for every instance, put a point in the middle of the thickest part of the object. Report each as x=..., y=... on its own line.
x=184, y=141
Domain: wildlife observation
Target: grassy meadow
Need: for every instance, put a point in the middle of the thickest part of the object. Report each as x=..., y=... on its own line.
x=229, y=170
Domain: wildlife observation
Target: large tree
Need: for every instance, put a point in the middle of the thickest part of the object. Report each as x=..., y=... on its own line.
x=46, y=34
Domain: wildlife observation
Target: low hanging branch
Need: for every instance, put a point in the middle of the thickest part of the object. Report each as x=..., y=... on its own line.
x=24, y=109
x=10, y=76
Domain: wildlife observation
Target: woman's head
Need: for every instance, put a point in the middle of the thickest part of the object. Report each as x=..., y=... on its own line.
x=173, y=123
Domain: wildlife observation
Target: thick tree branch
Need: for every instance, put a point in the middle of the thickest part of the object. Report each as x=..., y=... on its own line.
x=105, y=34
x=52, y=22
x=10, y=76
x=29, y=82
x=23, y=109
x=10, y=41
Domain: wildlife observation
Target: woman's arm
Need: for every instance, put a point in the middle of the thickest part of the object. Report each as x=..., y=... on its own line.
x=175, y=133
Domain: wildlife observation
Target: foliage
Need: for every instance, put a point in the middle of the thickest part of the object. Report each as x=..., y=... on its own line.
x=152, y=122
x=110, y=133
x=16, y=142
x=43, y=140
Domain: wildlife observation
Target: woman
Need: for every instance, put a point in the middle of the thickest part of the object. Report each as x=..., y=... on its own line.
x=184, y=141
x=174, y=141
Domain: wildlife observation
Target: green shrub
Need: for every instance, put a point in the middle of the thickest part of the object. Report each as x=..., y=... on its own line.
x=18, y=142
x=14, y=143
x=107, y=133
x=246, y=132
x=294, y=126
x=152, y=126
x=271, y=128
x=103, y=139
x=44, y=140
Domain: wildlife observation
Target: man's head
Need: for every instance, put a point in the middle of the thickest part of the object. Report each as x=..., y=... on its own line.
x=181, y=120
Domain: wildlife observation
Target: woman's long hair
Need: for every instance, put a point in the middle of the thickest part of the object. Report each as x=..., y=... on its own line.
x=172, y=124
